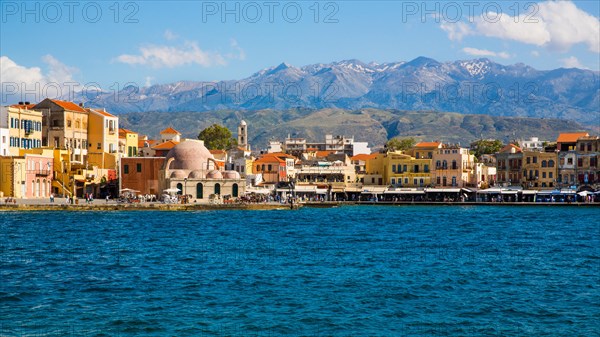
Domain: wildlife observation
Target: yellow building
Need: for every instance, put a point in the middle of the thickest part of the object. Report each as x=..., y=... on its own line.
x=65, y=127
x=12, y=177
x=103, y=132
x=128, y=143
x=453, y=166
x=24, y=126
x=398, y=169
x=540, y=169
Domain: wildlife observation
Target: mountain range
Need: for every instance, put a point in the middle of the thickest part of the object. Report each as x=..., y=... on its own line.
x=477, y=86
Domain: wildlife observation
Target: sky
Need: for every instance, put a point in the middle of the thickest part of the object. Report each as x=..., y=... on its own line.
x=46, y=47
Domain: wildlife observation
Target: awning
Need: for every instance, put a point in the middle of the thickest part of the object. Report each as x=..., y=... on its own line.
x=401, y=191
x=321, y=191
x=443, y=190
x=529, y=192
x=509, y=192
x=374, y=190
x=305, y=189
x=490, y=190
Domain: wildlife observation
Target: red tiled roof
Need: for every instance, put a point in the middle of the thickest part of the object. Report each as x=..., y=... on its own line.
x=169, y=144
x=170, y=131
x=68, y=105
x=364, y=156
x=323, y=153
x=428, y=144
x=23, y=106
x=509, y=146
x=216, y=151
x=102, y=112
x=123, y=131
x=571, y=137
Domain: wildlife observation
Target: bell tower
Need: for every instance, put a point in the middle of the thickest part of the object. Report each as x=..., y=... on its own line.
x=243, y=135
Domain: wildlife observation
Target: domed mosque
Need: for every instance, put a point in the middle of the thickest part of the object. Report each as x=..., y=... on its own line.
x=192, y=169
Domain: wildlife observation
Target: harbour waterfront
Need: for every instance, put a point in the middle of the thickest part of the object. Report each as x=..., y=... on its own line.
x=345, y=271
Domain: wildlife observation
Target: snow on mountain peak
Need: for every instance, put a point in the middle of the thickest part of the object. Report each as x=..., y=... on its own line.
x=476, y=67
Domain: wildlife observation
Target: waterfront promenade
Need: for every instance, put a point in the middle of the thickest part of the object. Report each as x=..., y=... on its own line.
x=113, y=205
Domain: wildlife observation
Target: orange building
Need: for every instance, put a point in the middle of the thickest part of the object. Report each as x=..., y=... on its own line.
x=141, y=174
x=274, y=167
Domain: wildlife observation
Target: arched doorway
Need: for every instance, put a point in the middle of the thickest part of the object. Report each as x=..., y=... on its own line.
x=180, y=188
x=217, y=188
x=234, y=190
x=199, y=191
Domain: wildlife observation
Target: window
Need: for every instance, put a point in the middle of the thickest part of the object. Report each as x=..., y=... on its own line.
x=550, y=163
x=217, y=188
x=404, y=168
x=444, y=164
x=394, y=169
x=257, y=167
x=180, y=188
x=417, y=155
x=528, y=160
x=270, y=167
x=421, y=182
x=550, y=175
x=416, y=169
x=235, y=190
x=138, y=167
x=454, y=167
x=569, y=161
x=543, y=175
x=126, y=169
x=99, y=146
x=438, y=180
x=579, y=162
x=199, y=192
x=415, y=182
x=68, y=122
x=426, y=168
x=393, y=181
x=406, y=180
x=535, y=160
x=544, y=163
x=454, y=181
x=438, y=164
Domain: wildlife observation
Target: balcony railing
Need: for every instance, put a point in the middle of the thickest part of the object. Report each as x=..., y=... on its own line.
x=42, y=173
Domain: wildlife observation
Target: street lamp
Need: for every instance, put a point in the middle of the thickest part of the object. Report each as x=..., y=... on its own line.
x=184, y=190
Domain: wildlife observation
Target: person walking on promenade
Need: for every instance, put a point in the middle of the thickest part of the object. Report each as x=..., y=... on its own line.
x=51, y=197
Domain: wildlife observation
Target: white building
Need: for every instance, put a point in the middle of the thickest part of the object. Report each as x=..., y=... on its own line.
x=4, y=141
x=533, y=144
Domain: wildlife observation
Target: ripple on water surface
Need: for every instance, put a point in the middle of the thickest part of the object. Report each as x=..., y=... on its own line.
x=360, y=271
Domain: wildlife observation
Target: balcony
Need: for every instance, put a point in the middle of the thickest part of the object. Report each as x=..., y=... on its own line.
x=42, y=173
x=111, y=131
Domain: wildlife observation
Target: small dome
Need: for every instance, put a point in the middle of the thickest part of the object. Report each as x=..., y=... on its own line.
x=196, y=174
x=243, y=122
x=189, y=155
x=178, y=174
x=214, y=174
x=231, y=175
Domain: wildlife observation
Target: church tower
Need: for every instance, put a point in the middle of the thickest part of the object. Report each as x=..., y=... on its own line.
x=243, y=135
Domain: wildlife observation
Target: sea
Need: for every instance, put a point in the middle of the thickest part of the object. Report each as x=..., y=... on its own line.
x=345, y=271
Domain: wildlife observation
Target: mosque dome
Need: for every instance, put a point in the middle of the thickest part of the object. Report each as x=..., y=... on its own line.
x=214, y=174
x=231, y=175
x=196, y=174
x=177, y=174
x=189, y=155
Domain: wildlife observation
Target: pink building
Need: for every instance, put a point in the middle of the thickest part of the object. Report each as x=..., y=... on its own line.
x=38, y=174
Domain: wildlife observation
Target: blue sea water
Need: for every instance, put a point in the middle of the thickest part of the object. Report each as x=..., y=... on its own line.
x=348, y=271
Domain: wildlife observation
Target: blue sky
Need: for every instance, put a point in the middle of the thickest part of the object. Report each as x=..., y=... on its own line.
x=153, y=42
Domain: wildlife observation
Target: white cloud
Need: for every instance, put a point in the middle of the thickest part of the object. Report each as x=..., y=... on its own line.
x=148, y=81
x=20, y=83
x=485, y=52
x=456, y=30
x=556, y=25
x=535, y=53
x=239, y=53
x=169, y=35
x=171, y=57
x=572, y=62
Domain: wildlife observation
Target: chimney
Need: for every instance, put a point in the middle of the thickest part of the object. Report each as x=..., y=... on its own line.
x=81, y=104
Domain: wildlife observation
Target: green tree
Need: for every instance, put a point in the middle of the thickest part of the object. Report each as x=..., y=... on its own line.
x=400, y=144
x=217, y=137
x=486, y=146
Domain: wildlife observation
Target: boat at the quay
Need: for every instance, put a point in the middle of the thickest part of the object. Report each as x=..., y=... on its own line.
x=360, y=271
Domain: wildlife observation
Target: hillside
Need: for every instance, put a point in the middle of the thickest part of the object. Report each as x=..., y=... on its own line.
x=372, y=125
x=477, y=86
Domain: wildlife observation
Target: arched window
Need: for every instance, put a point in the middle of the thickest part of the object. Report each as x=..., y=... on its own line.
x=217, y=188
x=454, y=167
x=257, y=168
x=444, y=164
x=550, y=163
x=199, y=194
x=180, y=188
x=234, y=190
x=544, y=164
x=438, y=164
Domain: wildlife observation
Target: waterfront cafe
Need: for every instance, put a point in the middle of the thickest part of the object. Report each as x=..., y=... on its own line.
x=449, y=194
x=517, y=194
